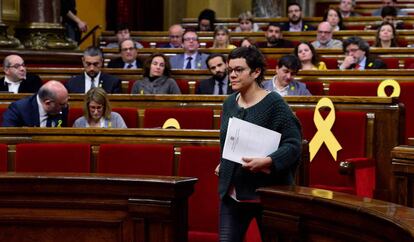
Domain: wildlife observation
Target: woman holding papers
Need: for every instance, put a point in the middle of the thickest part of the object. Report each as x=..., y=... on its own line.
x=238, y=182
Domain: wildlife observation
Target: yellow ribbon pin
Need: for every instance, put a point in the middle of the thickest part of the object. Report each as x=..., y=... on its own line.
x=389, y=82
x=324, y=133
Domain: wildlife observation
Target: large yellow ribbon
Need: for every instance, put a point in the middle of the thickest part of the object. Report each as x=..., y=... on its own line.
x=324, y=133
x=389, y=82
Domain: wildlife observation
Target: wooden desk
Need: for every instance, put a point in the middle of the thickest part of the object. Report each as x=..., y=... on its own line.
x=403, y=174
x=72, y=207
x=305, y=214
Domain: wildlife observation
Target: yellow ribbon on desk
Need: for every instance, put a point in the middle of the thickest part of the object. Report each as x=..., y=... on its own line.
x=389, y=82
x=324, y=133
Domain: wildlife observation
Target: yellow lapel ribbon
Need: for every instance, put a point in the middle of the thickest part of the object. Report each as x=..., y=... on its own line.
x=324, y=133
x=389, y=82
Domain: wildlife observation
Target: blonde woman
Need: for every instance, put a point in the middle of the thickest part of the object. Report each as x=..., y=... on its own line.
x=222, y=38
x=97, y=112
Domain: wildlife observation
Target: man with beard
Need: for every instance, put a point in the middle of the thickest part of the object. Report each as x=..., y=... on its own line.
x=296, y=24
x=324, y=37
x=128, y=59
x=16, y=79
x=274, y=37
x=218, y=84
x=93, y=77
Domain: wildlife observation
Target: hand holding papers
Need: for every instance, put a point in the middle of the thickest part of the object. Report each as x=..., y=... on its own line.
x=245, y=139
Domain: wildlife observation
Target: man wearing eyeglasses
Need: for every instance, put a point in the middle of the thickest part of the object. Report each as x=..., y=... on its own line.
x=47, y=108
x=175, y=33
x=16, y=79
x=191, y=59
x=324, y=37
x=128, y=59
x=93, y=77
x=357, y=56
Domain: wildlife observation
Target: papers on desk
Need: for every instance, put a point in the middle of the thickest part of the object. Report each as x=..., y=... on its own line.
x=245, y=139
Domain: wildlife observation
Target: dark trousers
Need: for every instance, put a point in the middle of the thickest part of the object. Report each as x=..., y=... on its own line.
x=235, y=218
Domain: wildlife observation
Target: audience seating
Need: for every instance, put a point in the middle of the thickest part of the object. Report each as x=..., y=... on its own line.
x=2, y=110
x=316, y=88
x=189, y=118
x=3, y=157
x=324, y=170
x=136, y=159
x=183, y=85
x=62, y=157
x=200, y=162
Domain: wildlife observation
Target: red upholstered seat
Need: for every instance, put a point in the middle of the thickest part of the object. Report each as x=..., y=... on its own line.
x=406, y=97
x=200, y=162
x=130, y=85
x=53, y=157
x=331, y=63
x=271, y=62
x=392, y=63
x=408, y=63
x=189, y=118
x=353, y=88
x=137, y=159
x=2, y=110
x=129, y=115
x=316, y=88
x=3, y=157
x=350, y=129
x=183, y=85
x=74, y=113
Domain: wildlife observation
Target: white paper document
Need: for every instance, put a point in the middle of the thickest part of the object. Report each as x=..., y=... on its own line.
x=245, y=139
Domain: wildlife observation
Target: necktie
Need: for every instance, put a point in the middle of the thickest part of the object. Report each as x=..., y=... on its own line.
x=220, y=87
x=129, y=66
x=188, y=66
x=93, y=83
x=357, y=66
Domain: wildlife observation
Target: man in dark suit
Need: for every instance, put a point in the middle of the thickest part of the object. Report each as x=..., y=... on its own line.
x=274, y=37
x=175, y=33
x=218, y=84
x=16, y=79
x=357, y=55
x=296, y=24
x=47, y=108
x=128, y=59
x=93, y=77
x=191, y=59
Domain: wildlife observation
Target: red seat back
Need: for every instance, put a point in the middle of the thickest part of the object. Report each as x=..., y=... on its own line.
x=315, y=88
x=353, y=88
x=2, y=110
x=392, y=63
x=3, y=157
x=200, y=162
x=74, y=113
x=183, y=85
x=350, y=131
x=137, y=159
x=331, y=63
x=129, y=115
x=406, y=97
x=189, y=118
x=53, y=157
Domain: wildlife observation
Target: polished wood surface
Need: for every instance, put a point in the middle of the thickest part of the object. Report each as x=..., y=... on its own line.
x=305, y=214
x=403, y=174
x=72, y=207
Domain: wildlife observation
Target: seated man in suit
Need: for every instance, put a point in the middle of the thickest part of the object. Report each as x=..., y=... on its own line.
x=93, y=77
x=357, y=55
x=16, y=80
x=283, y=82
x=191, y=59
x=218, y=84
x=175, y=34
x=274, y=37
x=47, y=108
x=296, y=24
x=128, y=59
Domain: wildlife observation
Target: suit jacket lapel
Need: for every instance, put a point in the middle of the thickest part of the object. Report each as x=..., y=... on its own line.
x=35, y=111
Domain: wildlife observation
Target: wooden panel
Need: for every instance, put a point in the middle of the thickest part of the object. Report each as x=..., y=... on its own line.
x=71, y=207
x=305, y=214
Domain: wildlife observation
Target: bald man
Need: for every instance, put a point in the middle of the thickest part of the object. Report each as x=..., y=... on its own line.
x=47, y=108
x=324, y=37
x=16, y=79
x=175, y=33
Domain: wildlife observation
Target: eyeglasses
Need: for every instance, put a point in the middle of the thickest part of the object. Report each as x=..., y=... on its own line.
x=127, y=49
x=96, y=64
x=190, y=39
x=17, y=66
x=238, y=70
x=324, y=32
x=174, y=36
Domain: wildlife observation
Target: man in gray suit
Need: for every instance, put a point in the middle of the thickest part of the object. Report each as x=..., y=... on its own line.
x=191, y=59
x=283, y=82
